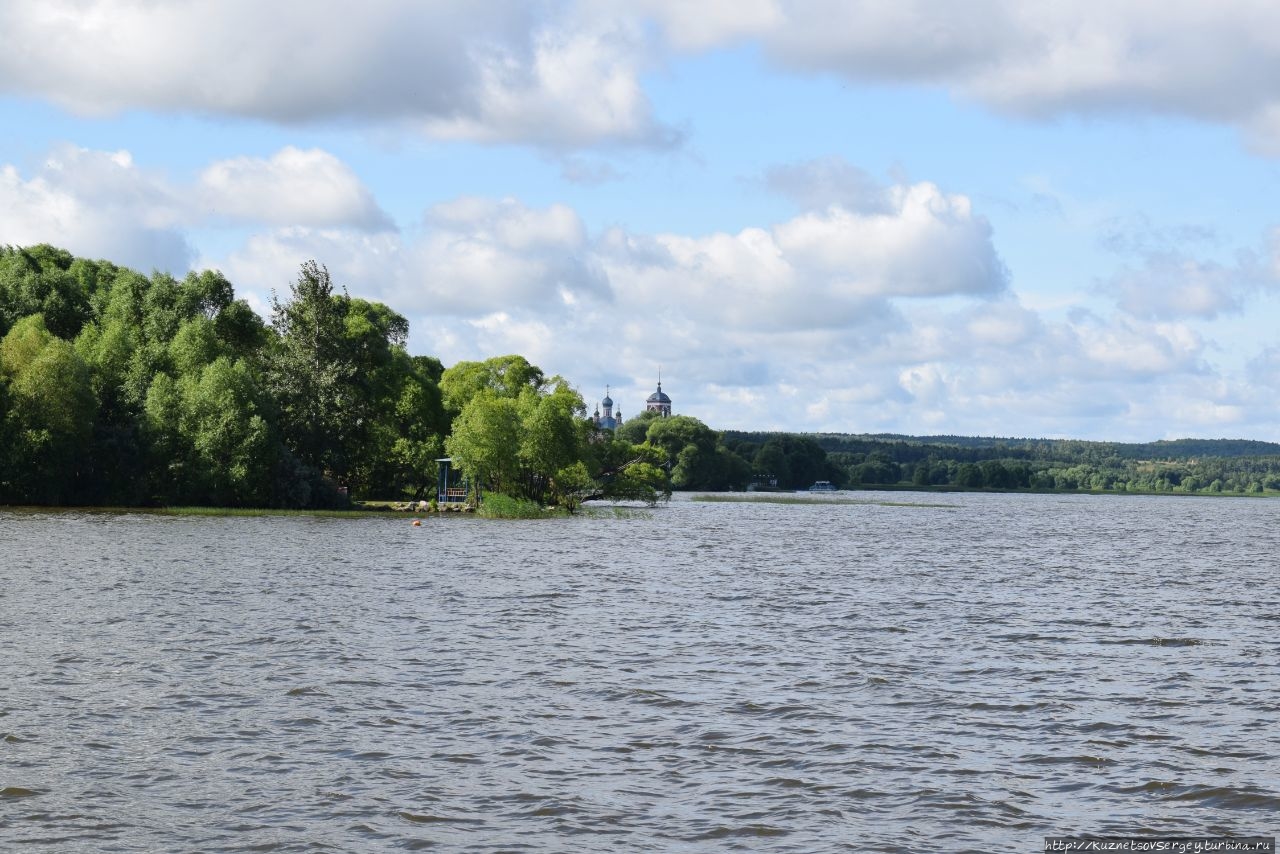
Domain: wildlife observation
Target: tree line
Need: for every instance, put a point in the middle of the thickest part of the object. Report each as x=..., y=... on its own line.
x=1172, y=466
x=122, y=389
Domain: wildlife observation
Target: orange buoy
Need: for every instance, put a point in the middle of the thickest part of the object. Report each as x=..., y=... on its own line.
x=417, y=523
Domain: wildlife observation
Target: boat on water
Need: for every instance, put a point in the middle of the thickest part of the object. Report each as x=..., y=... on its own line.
x=823, y=486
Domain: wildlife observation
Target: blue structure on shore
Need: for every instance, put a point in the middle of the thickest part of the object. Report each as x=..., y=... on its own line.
x=451, y=486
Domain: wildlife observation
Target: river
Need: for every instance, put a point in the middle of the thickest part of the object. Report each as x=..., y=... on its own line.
x=906, y=673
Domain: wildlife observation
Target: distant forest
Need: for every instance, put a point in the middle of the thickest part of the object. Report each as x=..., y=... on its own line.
x=961, y=462
x=118, y=388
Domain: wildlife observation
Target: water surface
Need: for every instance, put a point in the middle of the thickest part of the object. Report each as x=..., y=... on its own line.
x=699, y=677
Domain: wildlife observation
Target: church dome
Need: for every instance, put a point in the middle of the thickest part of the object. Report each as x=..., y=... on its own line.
x=608, y=401
x=658, y=396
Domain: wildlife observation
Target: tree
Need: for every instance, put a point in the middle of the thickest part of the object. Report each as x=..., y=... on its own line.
x=505, y=376
x=51, y=412
x=636, y=429
x=552, y=438
x=970, y=475
x=419, y=429
x=485, y=441
x=310, y=372
x=39, y=280
x=626, y=471
x=373, y=338
x=697, y=460
x=231, y=443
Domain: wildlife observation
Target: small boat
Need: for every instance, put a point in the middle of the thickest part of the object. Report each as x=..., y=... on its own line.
x=823, y=486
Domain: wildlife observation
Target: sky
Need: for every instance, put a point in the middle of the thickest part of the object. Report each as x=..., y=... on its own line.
x=990, y=218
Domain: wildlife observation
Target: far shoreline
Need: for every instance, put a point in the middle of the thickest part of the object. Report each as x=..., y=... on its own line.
x=390, y=508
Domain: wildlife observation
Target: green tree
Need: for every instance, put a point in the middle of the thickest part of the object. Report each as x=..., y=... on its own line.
x=220, y=419
x=485, y=441
x=51, y=411
x=553, y=438
x=636, y=429
x=969, y=475
x=694, y=453
x=171, y=459
x=626, y=471
x=373, y=338
x=310, y=372
x=39, y=280
x=419, y=429
x=505, y=376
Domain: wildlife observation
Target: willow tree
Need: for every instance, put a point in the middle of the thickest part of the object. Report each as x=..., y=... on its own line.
x=515, y=431
x=50, y=413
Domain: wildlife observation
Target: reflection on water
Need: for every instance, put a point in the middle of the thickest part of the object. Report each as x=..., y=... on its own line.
x=763, y=677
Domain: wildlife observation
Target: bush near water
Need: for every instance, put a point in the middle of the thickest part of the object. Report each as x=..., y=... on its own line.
x=118, y=388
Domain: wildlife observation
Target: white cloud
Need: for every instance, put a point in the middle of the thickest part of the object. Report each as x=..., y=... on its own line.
x=1133, y=349
x=576, y=88
x=1215, y=62
x=708, y=23
x=95, y=204
x=927, y=244
x=294, y=187
x=101, y=204
x=831, y=269
x=477, y=256
x=497, y=70
x=756, y=330
x=569, y=74
x=270, y=260
x=1264, y=369
x=743, y=314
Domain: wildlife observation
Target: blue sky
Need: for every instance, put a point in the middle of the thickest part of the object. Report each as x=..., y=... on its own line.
x=921, y=217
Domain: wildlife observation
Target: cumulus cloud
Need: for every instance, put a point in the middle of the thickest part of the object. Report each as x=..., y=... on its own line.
x=101, y=204
x=479, y=255
x=1264, y=369
x=575, y=88
x=269, y=261
x=499, y=70
x=1129, y=348
x=827, y=269
x=97, y=204
x=570, y=74
x=1214, y=62
x=927, y=244
x=998, y=368
x=744, y=313
x=293, y=186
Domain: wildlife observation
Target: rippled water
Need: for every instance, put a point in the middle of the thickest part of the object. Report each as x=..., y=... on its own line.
x=698, y=677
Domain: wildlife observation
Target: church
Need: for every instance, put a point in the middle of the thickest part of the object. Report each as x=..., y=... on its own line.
x=607, y=421
x=658, y=402
x=605, y=418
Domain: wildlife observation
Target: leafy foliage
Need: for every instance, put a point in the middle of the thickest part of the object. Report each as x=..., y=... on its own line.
x=126, y=389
